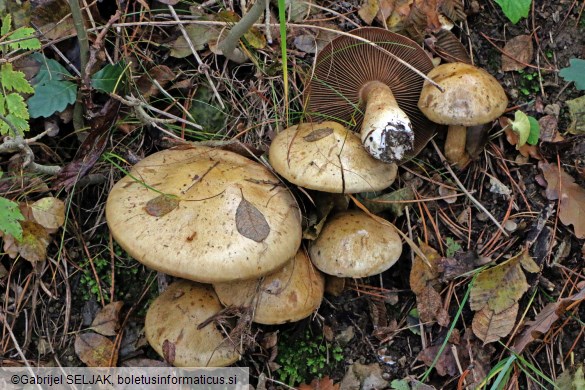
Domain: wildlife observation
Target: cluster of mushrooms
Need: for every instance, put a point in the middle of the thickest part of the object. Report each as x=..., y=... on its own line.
x=231, y=230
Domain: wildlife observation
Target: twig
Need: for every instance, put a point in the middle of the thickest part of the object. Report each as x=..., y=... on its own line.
x=467, y=193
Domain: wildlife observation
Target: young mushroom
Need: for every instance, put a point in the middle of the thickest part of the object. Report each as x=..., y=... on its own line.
x=287, y=295
x=354, y=245
x=172, y=327
x=357, y=82
x=204, y=214
x=328, y=157
x=471, y=97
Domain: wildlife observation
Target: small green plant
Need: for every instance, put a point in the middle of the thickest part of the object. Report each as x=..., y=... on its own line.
x=13, y=84
x=452, y=247
x=515, y=9
x=528, y=84
x=302, y=360
x=9, y=216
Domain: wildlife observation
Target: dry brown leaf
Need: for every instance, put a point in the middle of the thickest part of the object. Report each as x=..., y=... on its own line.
x=35, y=239
x=324, y=383
x=545, y=319
x=250, y=222
x=96, y=350
x=549, y=129
x=161, y=205
x=445, y=365
x=318, y=134
x=489, y=326
x=162, y=74
x=423, y=281
x=106, y=321
x=368, y=10
x=521, y=49
x=572, y=196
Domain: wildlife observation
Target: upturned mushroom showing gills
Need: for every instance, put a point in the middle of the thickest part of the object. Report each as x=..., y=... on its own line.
x=287, y=295
x=328, y=157
x=471, y=97
x=204, y=214
x=354, y=245
x=172, y=327
x=358, y=83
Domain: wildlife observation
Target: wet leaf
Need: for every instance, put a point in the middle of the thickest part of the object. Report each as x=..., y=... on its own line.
x=318, y=134
x=572, y=196
x=545, y=320
x=161, y=205
x=324, y=383
x=49, y=212
x=250, y=222
x=95, y=350
x=577, y=113
x=106, y=321
x=34, y=243
x=489, y=326
x=521, y=49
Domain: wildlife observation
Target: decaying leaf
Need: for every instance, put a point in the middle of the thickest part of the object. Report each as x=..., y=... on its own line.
x=324, y=383
x=250, y=222
x=106, y=321
x=199, y=36
x=368, y=10
x=571, y=379
x=445, y=365
x=577, y=113
x=423, y=282
x=96, y=350
x=49, y=212
x=169, y=351
x=161, y=205
x=545, y=319
x=35, y=239
x=495, y=294
x=392, y=201
x=572, y=196
x=526, y=150
x=522, y=51
x=157, y=78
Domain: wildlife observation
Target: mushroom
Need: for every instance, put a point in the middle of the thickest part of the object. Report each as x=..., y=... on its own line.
x=328, y=157
x=472, y=97
x=353, y=244
x=204, y=214
x=172, y=327
x=358, y=83
x=289, y=294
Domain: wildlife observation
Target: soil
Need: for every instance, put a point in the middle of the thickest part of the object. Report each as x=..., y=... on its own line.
x=372, y=320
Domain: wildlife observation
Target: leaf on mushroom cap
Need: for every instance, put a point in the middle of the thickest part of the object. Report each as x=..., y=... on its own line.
x=172, y=322
x=472, y=96
x=353, y=244
x=222, y=217
x=345, y=65
x=328, y=157
x=287, y=295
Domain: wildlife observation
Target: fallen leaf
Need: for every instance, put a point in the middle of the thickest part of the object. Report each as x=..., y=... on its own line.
x=522, y=51
x=324, y=383
x=169, y=351
x=318, y=134
x=106, y=321
x=572, y=196
x=368, y=10
x=35, y=239
x=250, y=222
x=549, y=129
x=490, y=327
x=545, y=319
x=424, y=283
x=49, y=212
x=162, y=74
x=571, y=379
x=577, y=113
x=161, y=205
x=526, y=150
x=95, y=350
x=199, y=36
x=446, y=364
x=392, y=201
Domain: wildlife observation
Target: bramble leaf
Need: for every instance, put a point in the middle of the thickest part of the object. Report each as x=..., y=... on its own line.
x=575, y=72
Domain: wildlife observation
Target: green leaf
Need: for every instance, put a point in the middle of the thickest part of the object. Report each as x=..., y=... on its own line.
x=107, y=78
x=18, y=122
x=534, y=131
x=49, y=70
x=14, y=80
x=6, y=25
x=400, y=384
x=32, y=43
x=16, y=105
x=521, y=126
x=9, y=216
x=515, y=9
x=575, y=72
x=51, y=97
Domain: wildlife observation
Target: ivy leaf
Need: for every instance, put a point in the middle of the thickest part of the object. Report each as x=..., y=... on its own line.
x=107, y=78
x=515, y=9
x=9, y=216
x=51, y=97
x=14, y=80
x=575, y=72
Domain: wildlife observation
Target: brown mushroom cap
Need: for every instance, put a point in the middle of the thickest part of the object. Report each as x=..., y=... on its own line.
x=328, y=157
x=353, y=244
x=287, y=295
x=171, y=327
x=346, y=65
x=224, y=218
x=472, y=96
